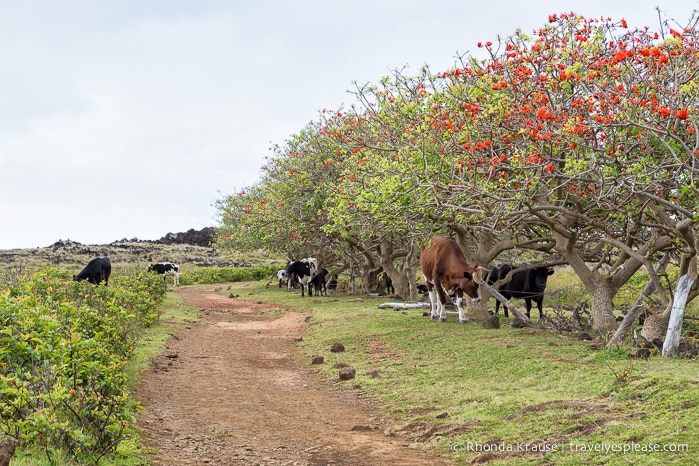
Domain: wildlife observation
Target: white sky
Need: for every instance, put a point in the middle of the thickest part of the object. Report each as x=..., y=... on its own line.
x=130, y=118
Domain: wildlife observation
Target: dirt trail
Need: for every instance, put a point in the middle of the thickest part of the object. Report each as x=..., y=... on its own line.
x=227, y=391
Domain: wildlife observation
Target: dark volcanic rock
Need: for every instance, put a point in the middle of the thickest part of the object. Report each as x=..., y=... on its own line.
x=194, y=237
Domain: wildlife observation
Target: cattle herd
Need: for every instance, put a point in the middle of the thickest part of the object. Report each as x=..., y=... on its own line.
x=447, y=276
x=98, y=270
x=444, y=266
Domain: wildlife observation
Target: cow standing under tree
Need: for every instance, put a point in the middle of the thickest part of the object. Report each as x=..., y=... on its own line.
x=303, y=272
x=528, y=284
x=445, y=269
x=318, y=283
x=96, y=271
x=167, y=269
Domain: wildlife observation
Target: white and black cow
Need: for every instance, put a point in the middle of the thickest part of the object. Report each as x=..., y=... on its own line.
x=528, y=284
x=96, y=271
x=303, y=272
x=281, y=275
x=165, y=269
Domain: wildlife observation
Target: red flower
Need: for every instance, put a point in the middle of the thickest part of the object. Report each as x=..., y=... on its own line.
x=681, y=114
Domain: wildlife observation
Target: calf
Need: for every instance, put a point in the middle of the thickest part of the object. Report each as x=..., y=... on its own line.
x=445, y=269
x=318, y=283
x=303, y=272
x=332, y=283
x=385, y=280
x=281, y=275
x=96, y=271
x=528, y=284
x=167, y=269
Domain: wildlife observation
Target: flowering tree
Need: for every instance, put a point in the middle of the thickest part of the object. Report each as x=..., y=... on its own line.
x=587, y=131
x=579, y=140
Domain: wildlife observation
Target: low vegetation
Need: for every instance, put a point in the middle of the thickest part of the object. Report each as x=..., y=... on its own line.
x=64, y=349
x=70, y=353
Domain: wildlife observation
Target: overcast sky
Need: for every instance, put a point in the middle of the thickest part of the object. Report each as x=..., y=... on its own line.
x=130, y=118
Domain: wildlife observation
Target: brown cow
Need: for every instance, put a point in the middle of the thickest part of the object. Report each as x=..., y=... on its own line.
x=446, y=270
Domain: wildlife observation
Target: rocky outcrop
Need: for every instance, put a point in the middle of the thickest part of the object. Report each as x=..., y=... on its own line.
x=202, y=237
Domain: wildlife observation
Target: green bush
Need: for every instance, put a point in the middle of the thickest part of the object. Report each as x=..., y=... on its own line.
x=229, y=274
x=64, y=346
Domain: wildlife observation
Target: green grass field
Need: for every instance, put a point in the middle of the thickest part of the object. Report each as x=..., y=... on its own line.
x=506, y=396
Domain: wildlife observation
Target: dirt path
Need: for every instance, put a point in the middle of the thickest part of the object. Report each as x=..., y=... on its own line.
x=227, y=391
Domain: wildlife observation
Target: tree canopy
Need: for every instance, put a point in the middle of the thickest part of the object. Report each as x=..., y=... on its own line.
x=579, y=140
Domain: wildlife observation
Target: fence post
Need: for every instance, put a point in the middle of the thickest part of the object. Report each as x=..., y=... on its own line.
x=672, y=338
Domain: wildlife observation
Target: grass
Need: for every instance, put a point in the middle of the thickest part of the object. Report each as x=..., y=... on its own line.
x=503, y=395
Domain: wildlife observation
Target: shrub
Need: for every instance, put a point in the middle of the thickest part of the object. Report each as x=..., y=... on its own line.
x=228, y=274
x=63, y=349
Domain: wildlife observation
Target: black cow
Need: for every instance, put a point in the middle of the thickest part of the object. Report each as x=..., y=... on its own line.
x=165, y=269
x=332, y=283
x=303, y=272
x=528, y=285
x=385, y=281
x=96, y=271
x=318, y=283
x=422, y=289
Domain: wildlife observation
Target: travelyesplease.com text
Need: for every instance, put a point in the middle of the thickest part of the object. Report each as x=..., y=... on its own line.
x=542, y=447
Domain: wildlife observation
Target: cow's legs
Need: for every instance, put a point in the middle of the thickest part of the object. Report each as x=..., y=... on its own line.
x=459, y=300
x=434, y=303
x=442, y=300
x=540, y=306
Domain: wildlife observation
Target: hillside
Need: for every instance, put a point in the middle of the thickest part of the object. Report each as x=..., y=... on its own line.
x=188, y=249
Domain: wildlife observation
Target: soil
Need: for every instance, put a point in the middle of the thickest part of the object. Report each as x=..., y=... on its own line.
x=230, y=390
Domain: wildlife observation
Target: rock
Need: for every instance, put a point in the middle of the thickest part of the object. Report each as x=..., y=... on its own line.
x=491, y=322
x=641, y=353
x=518, y=323
x=318, y=360
x=7, y=450
x=194, y=237
x=687, y=350
x=347, y=373
x=337, y=347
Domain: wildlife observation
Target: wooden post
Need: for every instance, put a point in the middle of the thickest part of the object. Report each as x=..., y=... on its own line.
x=672, y=338
x=637, y=307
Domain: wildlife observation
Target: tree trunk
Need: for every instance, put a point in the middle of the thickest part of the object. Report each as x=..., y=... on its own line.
x=602, y=308
x=635, y=311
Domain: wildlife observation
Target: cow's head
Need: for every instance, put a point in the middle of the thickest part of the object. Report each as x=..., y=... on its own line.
x=470, y=284
x=541, y=275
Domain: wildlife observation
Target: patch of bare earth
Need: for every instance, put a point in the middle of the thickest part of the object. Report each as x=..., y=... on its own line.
x=228, y=391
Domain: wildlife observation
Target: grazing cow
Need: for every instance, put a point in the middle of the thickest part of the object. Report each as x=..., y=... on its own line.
x=445, y=269
x=528, y=285
x=96, y=271
x=165, y=269
x=303, y=272
x=281, y=275
x=318, y=283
